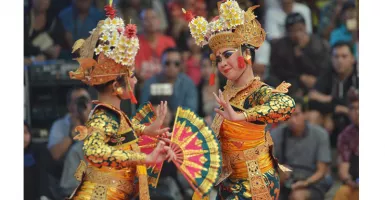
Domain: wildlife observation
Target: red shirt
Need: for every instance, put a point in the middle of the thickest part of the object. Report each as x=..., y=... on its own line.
x=193, y=69
x=147, y=60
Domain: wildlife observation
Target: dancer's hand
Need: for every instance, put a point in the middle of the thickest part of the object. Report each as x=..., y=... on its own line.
x=174, y=153
x=228, y=111
x=154, y=129
x=158, y=155
x=170, y=154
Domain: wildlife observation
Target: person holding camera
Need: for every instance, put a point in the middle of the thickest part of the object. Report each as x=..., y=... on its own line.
x=306, y=149
x=61, y=134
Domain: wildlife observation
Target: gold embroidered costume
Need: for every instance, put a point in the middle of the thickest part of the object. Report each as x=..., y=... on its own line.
x=114, y=160
x=249, y=169
x=111, y=150
x=247, y=149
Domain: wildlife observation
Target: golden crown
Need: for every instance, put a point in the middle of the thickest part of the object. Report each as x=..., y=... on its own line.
x=232, y=28
x=116, y=46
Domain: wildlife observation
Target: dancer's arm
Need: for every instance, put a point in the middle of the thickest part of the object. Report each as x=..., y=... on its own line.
x=99, y=153
x=273, y=106
x=102, y=125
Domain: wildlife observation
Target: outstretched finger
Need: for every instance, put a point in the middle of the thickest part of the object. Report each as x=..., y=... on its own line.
x=221, y=97
x=218, y=99
x=220, y=112
x=165, y=108
x=157, y=110
x=170, y=154
x=162, y=112
x=162, y=108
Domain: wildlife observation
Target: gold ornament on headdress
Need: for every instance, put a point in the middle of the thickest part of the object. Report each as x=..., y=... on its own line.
x=116, y=46
x=231, y=29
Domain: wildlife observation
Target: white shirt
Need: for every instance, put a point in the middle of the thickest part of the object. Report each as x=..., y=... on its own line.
x=275, y=20
x=262, y=56
x=272, y=4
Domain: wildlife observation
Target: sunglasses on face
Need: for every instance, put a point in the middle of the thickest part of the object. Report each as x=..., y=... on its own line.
x=227, y=54
x=168, y=63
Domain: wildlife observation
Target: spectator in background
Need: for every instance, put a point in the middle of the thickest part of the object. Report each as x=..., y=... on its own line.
x=99, y=4
x=272, y=4
x=61, y=134
x=328, y=99
x=59, y=5
x=329, y=17
x=275, y=18
x=315, y=9
x=68, y=182
x=130, y=10
x=262, y=61
x=172, y=85
x=207, y=101
x=79, y=19
x=348, y=142
x=152, y=43
x=305, y=148
x=193, y=68
x=262, y=66
x=299, y=57
x=347, y=30
x=43, y=33
x=31, y=175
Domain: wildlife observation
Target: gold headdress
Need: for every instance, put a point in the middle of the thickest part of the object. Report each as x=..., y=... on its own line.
x=232, y=28
x=116, y=46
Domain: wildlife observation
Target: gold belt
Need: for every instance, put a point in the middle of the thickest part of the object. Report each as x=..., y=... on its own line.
x=120, y=179
x=238, y=160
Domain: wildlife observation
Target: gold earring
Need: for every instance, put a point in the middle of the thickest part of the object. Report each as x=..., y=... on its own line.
x=119, y=91
x=248, y=57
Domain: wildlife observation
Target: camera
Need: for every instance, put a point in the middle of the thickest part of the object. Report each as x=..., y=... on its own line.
x=81, y=104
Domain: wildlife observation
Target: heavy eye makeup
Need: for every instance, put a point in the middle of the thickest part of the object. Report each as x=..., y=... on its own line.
x=227, y=54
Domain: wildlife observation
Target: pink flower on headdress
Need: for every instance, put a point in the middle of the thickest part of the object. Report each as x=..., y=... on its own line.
x=130, y=30
x=189, y=16
x=110, y=11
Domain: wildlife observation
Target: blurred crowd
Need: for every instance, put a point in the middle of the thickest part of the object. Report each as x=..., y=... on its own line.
x=312, y=44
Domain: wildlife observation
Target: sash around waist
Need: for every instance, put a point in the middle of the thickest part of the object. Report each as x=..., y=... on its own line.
x=120, y=179
x=238, y=160
x=241, y=135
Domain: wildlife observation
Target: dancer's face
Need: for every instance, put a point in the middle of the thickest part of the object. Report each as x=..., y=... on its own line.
x=227, y=63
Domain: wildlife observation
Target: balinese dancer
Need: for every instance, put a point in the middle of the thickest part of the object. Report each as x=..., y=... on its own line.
x=247, y=104
x=111, y=149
